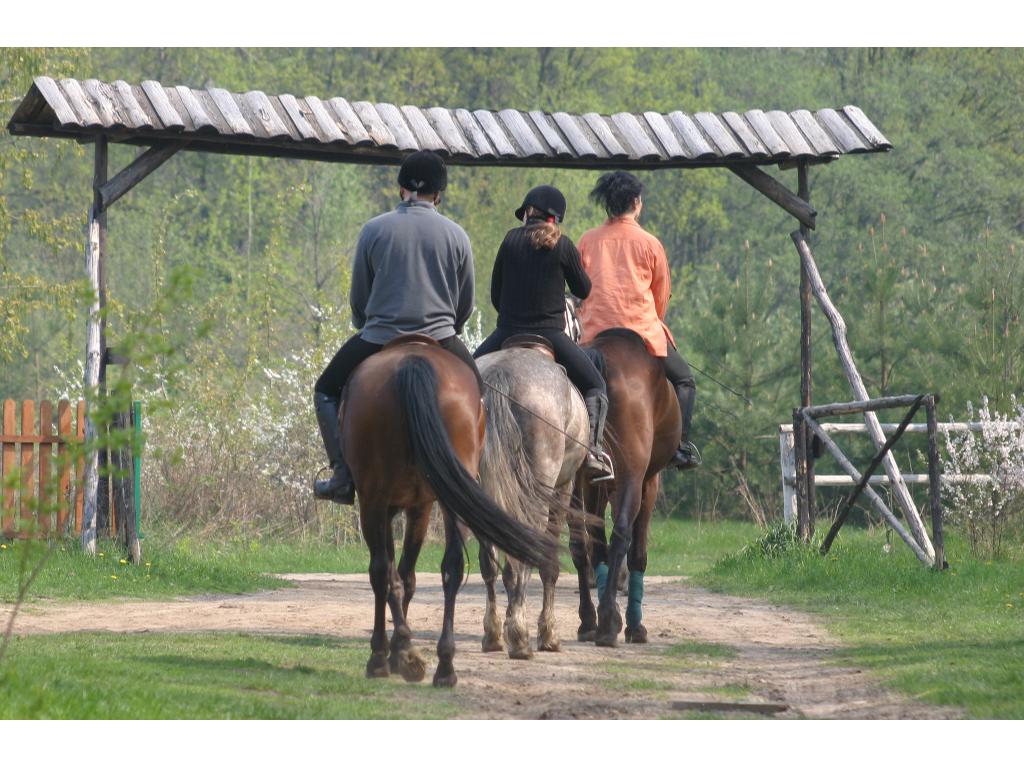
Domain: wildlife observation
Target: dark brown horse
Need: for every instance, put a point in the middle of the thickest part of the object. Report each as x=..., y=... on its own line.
x=413, y=429
x=643, y=424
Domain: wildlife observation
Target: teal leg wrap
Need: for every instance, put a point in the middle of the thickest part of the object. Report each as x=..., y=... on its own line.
x=636, y=597
x=601, y=574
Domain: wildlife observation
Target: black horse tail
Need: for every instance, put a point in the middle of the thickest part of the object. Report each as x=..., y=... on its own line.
x=457, y=491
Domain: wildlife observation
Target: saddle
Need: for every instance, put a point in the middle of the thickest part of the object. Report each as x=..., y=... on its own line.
x=530, y=341
x=412, y=338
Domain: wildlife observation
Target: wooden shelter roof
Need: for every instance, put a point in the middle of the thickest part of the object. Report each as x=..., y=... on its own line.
x=334, y=129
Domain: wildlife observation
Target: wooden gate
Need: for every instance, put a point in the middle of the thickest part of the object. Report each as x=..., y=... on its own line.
x=41, y=494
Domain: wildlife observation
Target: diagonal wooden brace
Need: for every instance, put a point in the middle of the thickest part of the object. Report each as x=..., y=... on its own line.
x=136, y=171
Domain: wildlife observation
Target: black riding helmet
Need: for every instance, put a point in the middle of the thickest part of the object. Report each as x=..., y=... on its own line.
x=423, y=171
x=544, y=198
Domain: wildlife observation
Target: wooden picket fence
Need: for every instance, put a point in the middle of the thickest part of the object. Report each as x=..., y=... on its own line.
x=28, y=508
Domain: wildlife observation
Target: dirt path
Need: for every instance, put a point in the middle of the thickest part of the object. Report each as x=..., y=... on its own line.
x=781, y=656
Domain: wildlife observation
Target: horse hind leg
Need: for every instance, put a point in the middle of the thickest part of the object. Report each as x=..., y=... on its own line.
x=580, y=549
x=517, y=636
x=492, y=625
x=547, y=636
x=376, y=529
x=625, y=508
x=635, y=631
x=451, y=576
x=405, y=659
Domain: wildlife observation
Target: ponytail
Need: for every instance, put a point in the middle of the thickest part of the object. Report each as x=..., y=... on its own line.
x=541, y=228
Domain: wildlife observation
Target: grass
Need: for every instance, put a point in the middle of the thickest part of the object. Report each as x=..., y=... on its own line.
x=203, y=676
x=953, y=638
x=187, y=566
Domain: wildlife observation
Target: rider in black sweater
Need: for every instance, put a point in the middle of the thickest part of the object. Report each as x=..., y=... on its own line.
x=533, y=266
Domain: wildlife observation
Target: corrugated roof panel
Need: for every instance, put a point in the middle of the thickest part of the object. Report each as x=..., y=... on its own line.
x=426, y=136
x=845, y=136
x=550, y=134
x=641, y=146
x=475, y=133
x=787, y=129
x=350, y=122
x=866, y=127
x=324, y=122
x=374, y=125
x=443, y=122
x=495, y=133
x=255, y=123
x=693, y=141
x=719, y=133
x=131, y=107
x=739, y=126
x=529, y=144
x=574, y=133
x=766, y=132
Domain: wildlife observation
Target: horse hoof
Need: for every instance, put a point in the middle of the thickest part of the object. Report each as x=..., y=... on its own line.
x=637, y=634
x=522, y=654
x=609, y=625
x=411, y=666
x=378, y=666
x=606, y=639
x=445, y=680
x=552, y=646
x=490, y=645
x=586, y=634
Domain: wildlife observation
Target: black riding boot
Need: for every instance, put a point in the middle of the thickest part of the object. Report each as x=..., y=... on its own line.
x=340, y=488
x=686, y=456
x=598, y=464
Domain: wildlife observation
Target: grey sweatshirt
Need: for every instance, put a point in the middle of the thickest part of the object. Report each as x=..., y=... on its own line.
x=412, y=273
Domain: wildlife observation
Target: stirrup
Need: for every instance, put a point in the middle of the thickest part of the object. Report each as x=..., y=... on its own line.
x=335, y=489
x=686, y=457
x=599, y=466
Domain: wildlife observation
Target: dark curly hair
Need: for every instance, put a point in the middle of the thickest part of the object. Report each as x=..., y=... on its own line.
x=617, y=192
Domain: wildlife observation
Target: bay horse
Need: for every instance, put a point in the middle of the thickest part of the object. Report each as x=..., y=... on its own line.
x=537, y=434
x=643, y=427
x=412, y=427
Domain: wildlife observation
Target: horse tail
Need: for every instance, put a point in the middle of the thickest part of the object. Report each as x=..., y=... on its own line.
x=460, y=494
x=505, y=472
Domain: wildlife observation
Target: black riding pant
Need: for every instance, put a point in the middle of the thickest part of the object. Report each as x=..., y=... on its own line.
x=578, y=368
x=332, y=381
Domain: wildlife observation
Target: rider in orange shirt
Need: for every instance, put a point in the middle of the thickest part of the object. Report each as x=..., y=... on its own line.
x=631, y=286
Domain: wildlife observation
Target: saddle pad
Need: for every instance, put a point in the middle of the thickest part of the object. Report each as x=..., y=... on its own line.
x=530, y=341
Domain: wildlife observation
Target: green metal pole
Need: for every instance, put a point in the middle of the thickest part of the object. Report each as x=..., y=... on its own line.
x=137, y=464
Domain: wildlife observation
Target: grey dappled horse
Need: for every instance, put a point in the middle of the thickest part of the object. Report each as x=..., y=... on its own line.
x=536, y=439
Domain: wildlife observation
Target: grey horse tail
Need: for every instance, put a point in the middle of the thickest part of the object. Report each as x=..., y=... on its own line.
x=417, y=388
x=505, y=472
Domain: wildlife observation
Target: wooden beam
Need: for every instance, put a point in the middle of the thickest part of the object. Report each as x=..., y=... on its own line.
x=847, y=504
x=140, y=168
x=874, y=498
x=899, y=488
x=861, y=406
x=777, y=193
x=92, y=378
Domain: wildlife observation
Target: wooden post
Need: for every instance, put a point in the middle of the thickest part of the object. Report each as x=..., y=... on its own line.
x=787, y=460
x=805, y=367
x=43, y=520
x=64, y=487
x=800, y=446
x=934, y=482
x=103, y=480
x=899, y=488
x=28, y=429
x=8, y=457
x=92, y=379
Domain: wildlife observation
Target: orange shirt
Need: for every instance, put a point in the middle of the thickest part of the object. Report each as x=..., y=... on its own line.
x=631, y=283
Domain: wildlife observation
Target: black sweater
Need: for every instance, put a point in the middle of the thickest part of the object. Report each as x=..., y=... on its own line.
x=528, y=284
